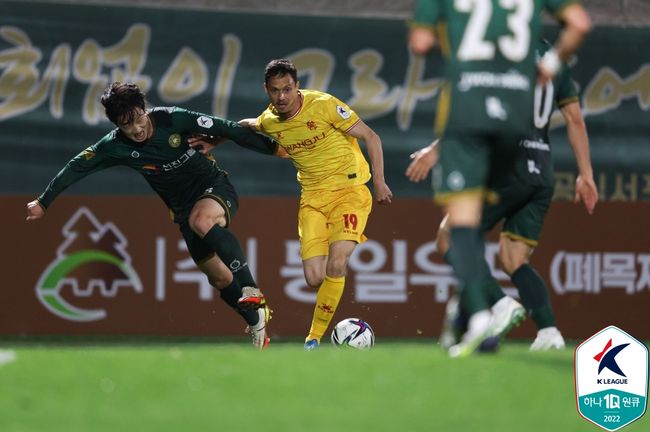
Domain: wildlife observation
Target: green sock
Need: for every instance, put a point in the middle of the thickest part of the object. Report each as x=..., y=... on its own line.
x=534, y=295
x=230, y=295
x=492, y=287
x=227, y=247
x=467, y=259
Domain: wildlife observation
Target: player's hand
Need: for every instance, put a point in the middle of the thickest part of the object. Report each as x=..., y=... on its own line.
x=34, y=210
x=250, y=123
x=421, y=163
x=281, y=152
x=421, y=40
x=548, y=66
x=543, y=76
x=383, y=194
x=587, y=192
x=204, y=144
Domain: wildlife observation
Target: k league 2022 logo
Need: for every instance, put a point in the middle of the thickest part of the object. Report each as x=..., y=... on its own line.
x=611, y=376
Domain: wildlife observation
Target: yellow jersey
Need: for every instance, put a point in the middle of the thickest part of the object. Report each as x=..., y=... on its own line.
x=315, y=139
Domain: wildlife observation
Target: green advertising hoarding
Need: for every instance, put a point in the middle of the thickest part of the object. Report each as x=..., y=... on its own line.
x=55, y=60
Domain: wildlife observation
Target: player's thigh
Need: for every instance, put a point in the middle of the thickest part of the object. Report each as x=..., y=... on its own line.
x=219, y=190
x=312, y=230
x=347, y=214
x=464, y=210
x=206, y=213
x=510, y=199
x=526, y=224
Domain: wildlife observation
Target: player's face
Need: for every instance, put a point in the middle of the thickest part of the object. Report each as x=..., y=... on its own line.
x=139, y=128
x=283, y=93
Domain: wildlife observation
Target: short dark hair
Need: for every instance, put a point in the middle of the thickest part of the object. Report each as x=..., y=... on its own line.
x=120, y=100
x=280, y=67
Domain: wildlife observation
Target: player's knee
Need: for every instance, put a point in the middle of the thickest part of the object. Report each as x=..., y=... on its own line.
x=337, y=266
x=314, y=280
x=202, y=221
x=510, y=262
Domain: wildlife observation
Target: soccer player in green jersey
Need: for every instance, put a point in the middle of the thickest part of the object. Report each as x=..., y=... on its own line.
x=483, y=113
x=525, y=194
x=196, y=190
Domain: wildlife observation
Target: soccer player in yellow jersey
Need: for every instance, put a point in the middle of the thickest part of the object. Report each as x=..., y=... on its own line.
x=319, y=134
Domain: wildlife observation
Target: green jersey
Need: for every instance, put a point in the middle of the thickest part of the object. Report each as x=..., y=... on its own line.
x=490, y=63
x=176, y=172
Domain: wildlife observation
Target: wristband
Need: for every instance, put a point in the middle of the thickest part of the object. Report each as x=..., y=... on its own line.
x=551, y=62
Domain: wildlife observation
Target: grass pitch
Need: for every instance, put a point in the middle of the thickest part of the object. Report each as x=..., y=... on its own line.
x=227, y=386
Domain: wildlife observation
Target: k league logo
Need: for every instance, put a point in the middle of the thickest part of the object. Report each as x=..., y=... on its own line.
x=611, y=376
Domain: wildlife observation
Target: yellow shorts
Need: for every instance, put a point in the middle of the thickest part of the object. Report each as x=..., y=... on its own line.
x=328, y=216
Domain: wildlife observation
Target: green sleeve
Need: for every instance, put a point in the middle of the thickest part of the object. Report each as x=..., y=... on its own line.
x=425, y=14
x=195, y=122
x=85, y=163
x=567, y=90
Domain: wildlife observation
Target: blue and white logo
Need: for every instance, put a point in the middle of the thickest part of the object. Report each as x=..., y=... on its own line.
x=611, y=374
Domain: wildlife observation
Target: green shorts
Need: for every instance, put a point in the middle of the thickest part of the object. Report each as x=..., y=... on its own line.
x=522, y=209
x=468, y=161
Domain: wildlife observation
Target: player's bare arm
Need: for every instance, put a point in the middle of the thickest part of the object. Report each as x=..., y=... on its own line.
x=361, y=131
x=250, y=123
x=586, y=190
x=421, y=162
x=576, y=26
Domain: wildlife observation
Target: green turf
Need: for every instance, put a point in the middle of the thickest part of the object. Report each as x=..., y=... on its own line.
x=229, y=387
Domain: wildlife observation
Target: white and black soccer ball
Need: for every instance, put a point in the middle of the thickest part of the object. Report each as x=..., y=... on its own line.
x=354, y=333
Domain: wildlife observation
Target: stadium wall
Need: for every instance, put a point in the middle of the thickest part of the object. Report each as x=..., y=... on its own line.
x=56, y=58
x=116, y=265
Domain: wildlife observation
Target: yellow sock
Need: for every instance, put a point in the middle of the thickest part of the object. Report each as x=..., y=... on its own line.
x=327, y=300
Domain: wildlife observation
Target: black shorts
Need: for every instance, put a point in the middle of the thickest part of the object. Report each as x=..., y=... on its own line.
x=222, y=191
x=522, y=208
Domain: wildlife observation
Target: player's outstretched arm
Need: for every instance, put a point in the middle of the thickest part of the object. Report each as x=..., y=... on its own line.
x=421, y=162
x=586, y=190
x=34, y=210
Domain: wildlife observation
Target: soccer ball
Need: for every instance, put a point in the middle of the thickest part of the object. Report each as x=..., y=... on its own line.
x=354, y=333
